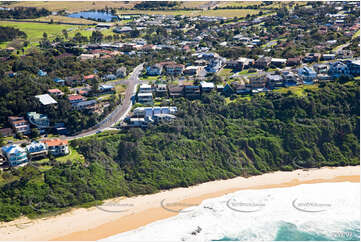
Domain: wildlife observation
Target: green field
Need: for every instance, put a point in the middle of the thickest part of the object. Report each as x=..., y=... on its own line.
x=34, y=31
x=297, y=90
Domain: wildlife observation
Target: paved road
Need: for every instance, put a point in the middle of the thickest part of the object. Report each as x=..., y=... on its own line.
x=120, y=111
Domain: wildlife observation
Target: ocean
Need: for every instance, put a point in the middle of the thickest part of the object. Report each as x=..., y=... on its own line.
x=316, y=212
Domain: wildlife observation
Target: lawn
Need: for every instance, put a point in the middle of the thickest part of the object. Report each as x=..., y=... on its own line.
x=225, y=72
x=73, y=156
x=35, y=31
x=297, y=90
x=150, y=78
x=65, y=19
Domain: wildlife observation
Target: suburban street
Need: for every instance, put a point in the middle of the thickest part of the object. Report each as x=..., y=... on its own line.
x=120, y=112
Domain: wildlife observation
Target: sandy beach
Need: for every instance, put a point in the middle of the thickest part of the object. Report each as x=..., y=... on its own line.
x=124, y=214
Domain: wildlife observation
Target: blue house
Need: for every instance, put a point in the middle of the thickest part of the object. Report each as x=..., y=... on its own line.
x=307, y=74
x=14, y=154
x=42, y=73
x=154, y=70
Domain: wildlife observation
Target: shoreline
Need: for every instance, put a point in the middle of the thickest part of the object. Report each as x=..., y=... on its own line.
x=119, y=215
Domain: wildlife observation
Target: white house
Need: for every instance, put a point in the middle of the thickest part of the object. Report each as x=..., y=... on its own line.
x=15, y=154
x=145, y=88
x=207, y=86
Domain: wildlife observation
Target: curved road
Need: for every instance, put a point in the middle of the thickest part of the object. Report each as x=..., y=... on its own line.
x=120, y=112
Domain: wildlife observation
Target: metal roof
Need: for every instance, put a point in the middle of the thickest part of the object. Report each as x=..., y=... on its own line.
x=46, y=99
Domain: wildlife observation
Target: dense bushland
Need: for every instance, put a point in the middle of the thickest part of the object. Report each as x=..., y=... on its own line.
x=209, y=140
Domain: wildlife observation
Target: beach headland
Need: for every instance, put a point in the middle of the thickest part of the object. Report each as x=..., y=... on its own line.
x=124, y=214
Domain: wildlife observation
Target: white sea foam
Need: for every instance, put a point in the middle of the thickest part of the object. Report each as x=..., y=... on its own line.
x=326, y=209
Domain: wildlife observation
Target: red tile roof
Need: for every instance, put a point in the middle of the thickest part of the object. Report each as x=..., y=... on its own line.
x=75, y=97
x=55, y=142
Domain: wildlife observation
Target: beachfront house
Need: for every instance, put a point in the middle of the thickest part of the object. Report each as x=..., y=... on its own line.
x=57, y=147
x=15, y=154
x=36, y=149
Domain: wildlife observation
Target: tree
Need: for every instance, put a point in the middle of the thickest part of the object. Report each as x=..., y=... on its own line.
x=65, y=33
x=96, y=37
x=35, y=133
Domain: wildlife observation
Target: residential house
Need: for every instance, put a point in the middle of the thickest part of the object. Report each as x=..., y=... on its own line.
x=240, y=64
x=174, y=69
x=214, y=65
x=290, y=78
x=57, y=147
x=39, y=120
x=153, y=114
x=257, y=82
x=15, y=154
x=145, y=88
x=312, y=57
x=307, y=74
x=344, y=54
x=88, y=78
x=295, y=61
x=321, y=68
x=55, y=92
x=137, y=122
x=175, y=91
x=154, y=70
x=263, y=62
x=106, y=88
x=145, y=98
x=36, y=149
x=278, y=62
x=46, y=99
x=109, y=77
x=239, y=87
x=75, y=80
x=192, y=91
x=275, y=80
x=328, y=56
x=220, y=88
x=354, y=67
x=207, y=86
x=89, y=105
x=75, y=98
x=161, y=90
x=234, y=65
x=338, y=69
x=191, y=70
x=19, y=124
